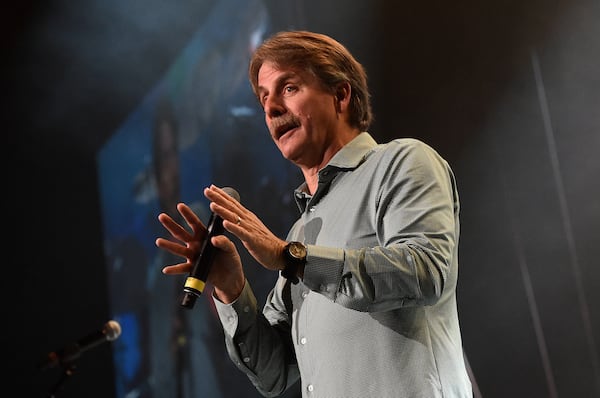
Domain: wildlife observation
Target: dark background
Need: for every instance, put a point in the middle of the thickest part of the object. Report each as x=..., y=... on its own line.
x=507, y=91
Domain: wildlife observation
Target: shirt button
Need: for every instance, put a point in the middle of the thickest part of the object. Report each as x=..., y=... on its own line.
x=246, y=359
x=304, y=294
x=231, y=319
x=246, y=309
x=310, y=388
x=303, y=340
x=312, y=209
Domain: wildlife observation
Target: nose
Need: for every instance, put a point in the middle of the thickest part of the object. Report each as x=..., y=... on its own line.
x=273, y=107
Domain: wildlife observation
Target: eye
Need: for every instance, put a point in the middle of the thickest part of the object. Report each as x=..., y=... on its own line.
x=263, y=100
x=289, y=89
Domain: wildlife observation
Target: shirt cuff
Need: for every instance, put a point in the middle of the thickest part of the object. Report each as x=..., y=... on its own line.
x=238, y=315
x=323, y=269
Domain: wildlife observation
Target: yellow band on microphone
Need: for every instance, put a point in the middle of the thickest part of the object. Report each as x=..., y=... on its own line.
x=194, y=283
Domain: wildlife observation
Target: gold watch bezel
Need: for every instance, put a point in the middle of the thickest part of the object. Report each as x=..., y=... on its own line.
x=297, y=251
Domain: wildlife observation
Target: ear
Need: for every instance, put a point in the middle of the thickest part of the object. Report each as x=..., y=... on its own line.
x=342, y=96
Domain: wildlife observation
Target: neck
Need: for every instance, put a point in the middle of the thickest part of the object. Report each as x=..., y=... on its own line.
x=311, y=177
x=311, y=172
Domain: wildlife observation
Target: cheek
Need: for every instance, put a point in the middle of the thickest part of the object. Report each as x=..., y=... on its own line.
x=321, y=110
x=317, y=118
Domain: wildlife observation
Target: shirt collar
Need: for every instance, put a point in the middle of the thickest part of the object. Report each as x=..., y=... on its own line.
x=353, y=153
x=349, y=157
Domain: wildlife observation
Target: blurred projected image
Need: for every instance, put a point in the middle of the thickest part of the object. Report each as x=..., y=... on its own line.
x=199, y=125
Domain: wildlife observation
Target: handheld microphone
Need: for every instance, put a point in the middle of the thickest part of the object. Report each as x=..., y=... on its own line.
x=196, y=280
x=68, y=354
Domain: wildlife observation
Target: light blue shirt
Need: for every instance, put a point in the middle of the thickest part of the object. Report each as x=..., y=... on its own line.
x=375, y=314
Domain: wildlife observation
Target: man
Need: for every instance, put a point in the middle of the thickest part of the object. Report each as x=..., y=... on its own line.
x=365, y=303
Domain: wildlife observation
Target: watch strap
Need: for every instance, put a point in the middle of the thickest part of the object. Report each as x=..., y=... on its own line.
x=292, y=262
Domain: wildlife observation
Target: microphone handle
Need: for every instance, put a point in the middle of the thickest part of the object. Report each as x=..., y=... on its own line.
x=196, y=281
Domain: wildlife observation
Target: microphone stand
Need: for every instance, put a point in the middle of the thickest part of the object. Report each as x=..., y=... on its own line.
x=68, y=370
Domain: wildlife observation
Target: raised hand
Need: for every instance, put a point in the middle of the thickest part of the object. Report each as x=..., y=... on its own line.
x=261, y=243
x=190, y=245
x=226, y=274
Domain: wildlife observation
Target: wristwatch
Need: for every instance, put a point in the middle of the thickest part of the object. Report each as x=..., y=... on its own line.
x=295, y=256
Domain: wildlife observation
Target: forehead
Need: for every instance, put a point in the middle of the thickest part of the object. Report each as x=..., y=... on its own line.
x=271, y=73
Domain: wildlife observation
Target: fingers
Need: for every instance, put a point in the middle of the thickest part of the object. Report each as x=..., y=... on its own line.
x=174, y=228
x=190, y=243
x=189, y=216
x=228, y=208
x=172, y=247
x=220, y=197
x=177, y=230
x=223, y=243
x=181, y=268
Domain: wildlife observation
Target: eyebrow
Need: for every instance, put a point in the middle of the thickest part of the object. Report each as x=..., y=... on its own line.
x=279, y=81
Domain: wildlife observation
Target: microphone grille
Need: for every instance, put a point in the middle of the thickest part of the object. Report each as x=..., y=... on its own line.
x=232, y=192
x=112, y=330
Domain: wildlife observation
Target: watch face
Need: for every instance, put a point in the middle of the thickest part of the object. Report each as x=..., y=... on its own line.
x=297, y=250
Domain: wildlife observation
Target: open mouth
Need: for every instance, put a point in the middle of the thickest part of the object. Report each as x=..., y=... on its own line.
x=281, y=131
x=283, y=126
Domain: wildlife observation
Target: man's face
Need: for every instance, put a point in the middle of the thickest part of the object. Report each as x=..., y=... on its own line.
x=300, y=114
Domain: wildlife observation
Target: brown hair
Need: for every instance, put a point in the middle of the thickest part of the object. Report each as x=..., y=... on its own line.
x=325, y=58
